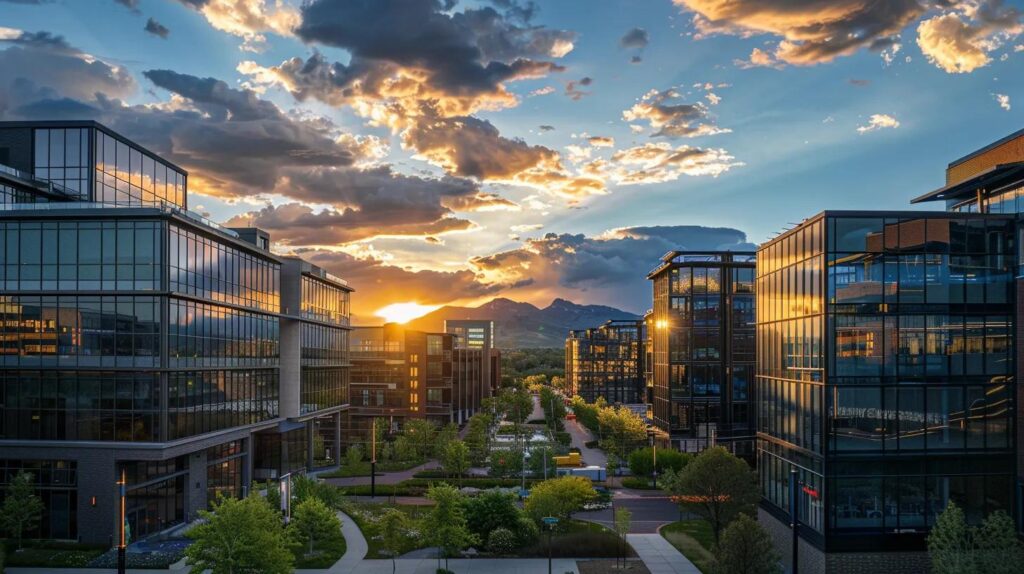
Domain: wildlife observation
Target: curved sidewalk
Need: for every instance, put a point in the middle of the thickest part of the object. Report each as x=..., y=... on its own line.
x=659, y=556
x=356, y=548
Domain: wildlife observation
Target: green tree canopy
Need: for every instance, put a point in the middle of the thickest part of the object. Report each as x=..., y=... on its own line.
x=559, y=497
x=394, y=527
x=455, y=458
x=746, y=548
x=445, y=525
x=492, y=509
x=313, y=523
x=22, y=509
x=716, y=486
x=991, y=548
x=239, y=536
x=642, y=460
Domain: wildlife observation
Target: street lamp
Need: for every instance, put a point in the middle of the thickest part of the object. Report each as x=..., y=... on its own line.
x=122, y=547
x=550, y=521
x=373, y=459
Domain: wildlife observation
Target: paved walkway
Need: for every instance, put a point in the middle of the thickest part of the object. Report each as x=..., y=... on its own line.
x=580, y=436
x=660, y=556
x=382, y=477
x=355, y=549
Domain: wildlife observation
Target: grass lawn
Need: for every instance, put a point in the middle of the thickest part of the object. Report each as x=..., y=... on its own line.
x=365, y=515
x=578, y=539
x=363, y=468
x=50, y=554
x=324, y=555
x=694, y=539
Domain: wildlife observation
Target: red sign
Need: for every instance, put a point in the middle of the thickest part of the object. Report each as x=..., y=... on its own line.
x=812, y=492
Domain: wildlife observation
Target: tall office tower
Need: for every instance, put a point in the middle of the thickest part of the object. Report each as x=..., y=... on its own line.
x=885, y=378
x=703, y=350
x=607, y=361
x=479, y=334
x=400, y=374
x=135, y=336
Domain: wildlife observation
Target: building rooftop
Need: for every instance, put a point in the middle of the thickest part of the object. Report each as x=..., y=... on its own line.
x=992, y=179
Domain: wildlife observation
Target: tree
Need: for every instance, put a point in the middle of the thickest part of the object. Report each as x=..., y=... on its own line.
x=559, y=383
x=746, y=548
x=559, y=497
x=394, y=526
x=305, y=487
x=505, y=462
x=272, y=493
x=991, y=548
x=621, y=430
x=313, y=523
x=998, y=551
x=949, y=543
x=554, y=408
x=421, y=434
x=542, y=458
x=491, y=509
x=22, y=509
x=354, y=455
x=445, y=435
x=239, y=536
x=517, y=404
x=623, y=520
x=642, y=460
x=478, y=437
x=445, y=525
x=405, y=450
x=716, y=486
x=455, y=458
x=501, y=541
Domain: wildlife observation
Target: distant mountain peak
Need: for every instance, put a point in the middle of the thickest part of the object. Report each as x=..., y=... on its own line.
x=518, y=324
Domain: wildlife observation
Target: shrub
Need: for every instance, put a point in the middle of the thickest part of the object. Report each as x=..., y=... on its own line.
x=354, y=455
x=501, y=541
x=491, y=510
x=641, y=461
x=527, y=530
x=559, y=497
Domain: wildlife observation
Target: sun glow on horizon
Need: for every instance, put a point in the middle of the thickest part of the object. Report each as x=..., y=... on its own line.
x=404, y=312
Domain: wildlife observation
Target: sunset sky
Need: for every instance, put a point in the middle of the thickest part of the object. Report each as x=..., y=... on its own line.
x=436, y=152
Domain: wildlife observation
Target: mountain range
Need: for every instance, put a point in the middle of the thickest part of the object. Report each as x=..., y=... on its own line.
x=522, y=325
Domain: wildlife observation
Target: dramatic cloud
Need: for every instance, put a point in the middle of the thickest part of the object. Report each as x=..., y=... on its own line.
x=156, y=28
x=298, y=224
x=879, y=122
x=660, y=162
x=671, y=118
x=248, y=19
x=635, y=38
x=960, y=42
x=812, y=32
x=610, y=268
x=379, y=282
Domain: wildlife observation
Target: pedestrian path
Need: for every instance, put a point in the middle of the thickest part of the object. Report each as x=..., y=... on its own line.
x=580, y=436
x=356, y=548
x=659, y=556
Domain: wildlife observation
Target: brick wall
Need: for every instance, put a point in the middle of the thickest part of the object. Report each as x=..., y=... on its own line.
x=1007, y=152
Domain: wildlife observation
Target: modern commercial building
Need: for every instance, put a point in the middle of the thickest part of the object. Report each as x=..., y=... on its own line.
x=607, y=361
x=138, y=336
x=400, y=374
x=702, y=346
x=885, y=377
x=479, y=334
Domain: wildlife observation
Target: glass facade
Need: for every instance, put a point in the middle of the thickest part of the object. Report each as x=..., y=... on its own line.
x=156, y=495
x=703, y=349
x=324, y=302
x=324, y=387
x=62, y=157
x=57, y=486
x=224, y=466
x=127, y=175
x=199, y=402
x=886, y=371
x=607, y=361
x=206, y=335
x=204, y=267
x=70, y=255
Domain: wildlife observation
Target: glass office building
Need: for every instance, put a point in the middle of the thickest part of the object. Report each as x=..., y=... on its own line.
x=701, y=333
x=136, y=336
x=607, y=361
x=886, y=378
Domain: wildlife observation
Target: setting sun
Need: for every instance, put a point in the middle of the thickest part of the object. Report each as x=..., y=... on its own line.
x=404, y=312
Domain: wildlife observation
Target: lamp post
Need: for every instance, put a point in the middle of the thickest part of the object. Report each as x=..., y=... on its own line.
x=122, y=547
x=550, y=521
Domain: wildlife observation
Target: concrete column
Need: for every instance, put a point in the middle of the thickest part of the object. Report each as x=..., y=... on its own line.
x=97, y=477
x=291, y=370
x=195, y=485
x=337, y=438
